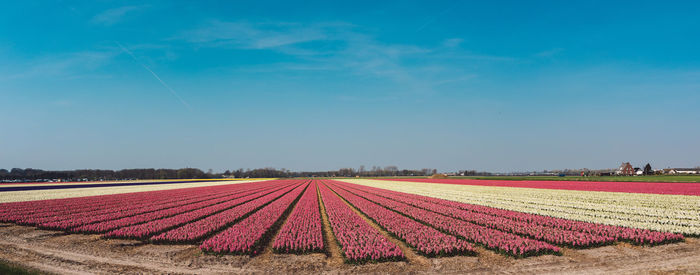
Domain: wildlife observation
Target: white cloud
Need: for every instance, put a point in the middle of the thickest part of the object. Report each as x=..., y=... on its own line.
x=345, y=48
x=549, y=53
x=112, y=16
x=252, y=36
x=69, y=65
x=452, y=42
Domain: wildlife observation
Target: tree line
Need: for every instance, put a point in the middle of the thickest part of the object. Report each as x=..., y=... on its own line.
x=18, y=174
x=375, y=171
x=30, y=174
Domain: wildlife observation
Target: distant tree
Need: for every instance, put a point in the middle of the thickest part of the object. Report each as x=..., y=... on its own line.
x=17, y=172
x=647, y=169
x=30, y=174
x=190, y=173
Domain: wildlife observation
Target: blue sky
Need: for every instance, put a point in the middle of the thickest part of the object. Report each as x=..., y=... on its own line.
x=498, y=86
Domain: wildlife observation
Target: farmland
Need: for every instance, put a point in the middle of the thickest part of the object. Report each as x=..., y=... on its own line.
x=355, y=225
x=646, y=178
x=39, y=191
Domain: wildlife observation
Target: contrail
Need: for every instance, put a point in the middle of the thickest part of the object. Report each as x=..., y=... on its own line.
x=155, y=75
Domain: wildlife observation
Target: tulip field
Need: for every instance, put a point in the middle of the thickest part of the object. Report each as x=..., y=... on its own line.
x=376, y=220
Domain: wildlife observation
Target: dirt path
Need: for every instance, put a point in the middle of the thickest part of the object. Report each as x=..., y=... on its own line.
x=335, y=255
x=56, y=252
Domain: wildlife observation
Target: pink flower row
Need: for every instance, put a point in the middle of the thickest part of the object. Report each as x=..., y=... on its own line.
x=247, y=236
x=144, y=230
x=425, y=239
x=172, y=206
x=543, y=233
x=85, y=204
x=195, y=231
x=613, y=233
x=302, y=231
x=493, y=239
x=111, y=212
x=225, y=201
x=359, y=241
x=90, y=206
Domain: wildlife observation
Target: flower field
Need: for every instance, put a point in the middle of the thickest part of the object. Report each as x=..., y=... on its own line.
x=370, y=220
x=80, y=189
x=302, y=232
x=669, y=188
x=658, y=212
x=359, y=241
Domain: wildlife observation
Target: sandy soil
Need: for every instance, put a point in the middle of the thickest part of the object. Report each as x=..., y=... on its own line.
x=56, y=252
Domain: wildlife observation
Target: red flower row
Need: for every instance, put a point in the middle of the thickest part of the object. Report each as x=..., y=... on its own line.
x=514, y=218
x=247, y=236
x=192, y=232
x=543, y=233
x=172, y=206
x=425, y=239
x=359, y=241
x=507, y=243
x=147, y=229
x=60, y=207
x=35, y=212
x=302, y=231
x=101, y=227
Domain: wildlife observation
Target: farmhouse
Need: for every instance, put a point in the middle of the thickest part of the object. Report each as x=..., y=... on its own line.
x=625, y=169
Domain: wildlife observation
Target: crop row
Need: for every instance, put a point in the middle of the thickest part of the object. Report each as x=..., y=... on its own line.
x=554, y=230
x=424, y=239
x=243, y=218
x=248, y=236
x=549, y=234
x=140, y=231
x=218, y=203
x=45, y=195
x=76, y=206
x=500, y=241
x=664, y=213
x=94, y=207
x=170, y=207
x=195, y=231
x=83, y=222
x=83, y=204
x=359, y=241
x=302, y=232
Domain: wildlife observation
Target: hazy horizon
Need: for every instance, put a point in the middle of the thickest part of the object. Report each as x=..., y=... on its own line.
x=356, y=168
x=500, y=86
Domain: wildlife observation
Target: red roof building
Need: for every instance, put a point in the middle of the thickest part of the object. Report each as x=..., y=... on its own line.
x=625, y=169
